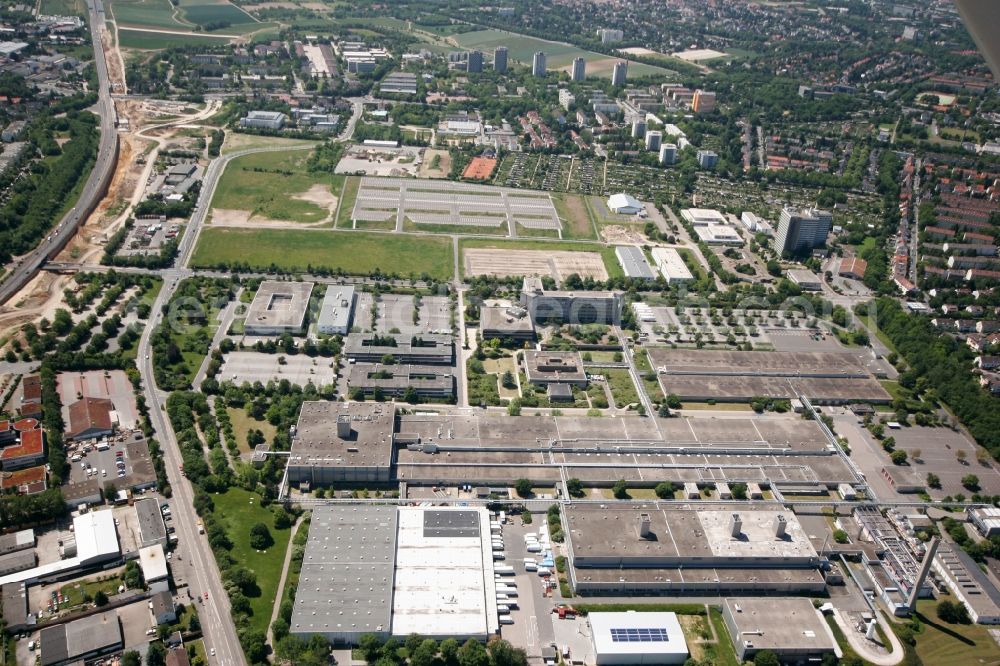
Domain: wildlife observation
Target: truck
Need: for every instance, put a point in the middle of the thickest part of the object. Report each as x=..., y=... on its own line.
x=530, y=565
x=201, y=527
x=544, y=571
x=504, y=570
x=565, y=612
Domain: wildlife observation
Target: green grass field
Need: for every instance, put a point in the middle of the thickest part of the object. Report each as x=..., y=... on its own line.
x=238, y=510
x=243, y=423
x=350, y=251
x=148, y=13
x=62, y=8
x=215, y=13
x=523, y=47
x=622, y=388
x=266, y=185
x=941, y=643
x=154, y=41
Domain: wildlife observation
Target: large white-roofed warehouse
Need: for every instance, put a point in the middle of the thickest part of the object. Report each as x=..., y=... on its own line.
x=389, y=570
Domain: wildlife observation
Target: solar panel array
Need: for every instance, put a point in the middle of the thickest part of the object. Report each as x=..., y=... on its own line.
x=639, y=635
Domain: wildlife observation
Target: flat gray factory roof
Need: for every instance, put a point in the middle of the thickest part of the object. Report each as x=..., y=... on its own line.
x=744, y=387
x=723, y=362
x=347, y=571
x=279, y=305
x=634, y=263
x=783, y=623
x=335, y=312
x=694, y=575
x=151, y=527
x=84, y=636
x=369, y=445
x=683, y=534
x=15, y=604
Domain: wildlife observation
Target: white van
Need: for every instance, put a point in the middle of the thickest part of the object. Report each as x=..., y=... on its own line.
x=506, y=619
x=544, y=571
x=534, y=548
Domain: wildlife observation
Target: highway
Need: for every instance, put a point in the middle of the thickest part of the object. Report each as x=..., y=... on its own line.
x=24, y=269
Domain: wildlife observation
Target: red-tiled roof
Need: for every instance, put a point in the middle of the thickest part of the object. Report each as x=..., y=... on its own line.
x=89, y=414
x=32, y=444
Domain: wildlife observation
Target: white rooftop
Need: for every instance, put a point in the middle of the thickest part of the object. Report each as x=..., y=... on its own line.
x=96, y=541
x=153, y=563
x=698, y=216
x=644, y=635
x=444, y=573
x=623, y=200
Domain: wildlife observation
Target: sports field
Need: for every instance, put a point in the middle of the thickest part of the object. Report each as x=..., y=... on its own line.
x=523, y=47
x=274, y=186
x=353, y=252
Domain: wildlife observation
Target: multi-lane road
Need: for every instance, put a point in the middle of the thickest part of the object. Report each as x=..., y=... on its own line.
x=94, y=189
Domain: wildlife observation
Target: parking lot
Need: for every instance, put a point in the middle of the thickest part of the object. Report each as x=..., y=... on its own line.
x=532, y=626
x=395, y=312
x=110, y=384
x=120, y=459
x=239, y=367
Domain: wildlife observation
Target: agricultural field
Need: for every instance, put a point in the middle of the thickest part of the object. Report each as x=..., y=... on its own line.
x=130, y=38
x=274, y=186
x=523, y=47
x=62, y=8
x=217, y=13
x=147, y=13
x=352, y=252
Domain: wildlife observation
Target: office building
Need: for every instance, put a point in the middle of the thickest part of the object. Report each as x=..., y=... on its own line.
x=401, y=83
x=805, y=279
x=475, y=62
x=554, y=367
x=538, y=64
x=668, y=154
x=791, y=628
x=278, y=308
x=273, y=120
x=637, y=638
x=511, y=323
x=703, y=102
x=336, y=310
x=579, y=69
x=653, y=140
x=707, y=159
x=619, y=73
x=586, y=307
x=500, y=60
x=802, y=230
x=986, y=520
x=426, y=349
x=395, y=380
x=638, y=129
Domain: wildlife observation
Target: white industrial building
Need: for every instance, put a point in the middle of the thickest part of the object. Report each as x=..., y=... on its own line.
x=700, y=217
x=264, y=120
x=637, y=638
x=624, y=204
x=755, y=224
x=395, y=571
x=806, y=280
x=718, y=234
x=671, y=265
x=336, y=310
x=153, y=562
x=93, y=541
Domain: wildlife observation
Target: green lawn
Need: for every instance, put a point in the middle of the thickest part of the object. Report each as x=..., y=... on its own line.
x=270, y=185
x=243, y=423
x=215, y=13
x=941, y=643
x=238, y=510
x=75, y=593
x=62, y=8
x=622, y=389
x=350, y=251
x=348, y=197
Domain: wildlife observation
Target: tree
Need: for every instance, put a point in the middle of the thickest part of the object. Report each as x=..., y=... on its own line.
x=961, y=455
x=953, y=613
x=449, y=652
x=502, y=653
x=514, y=407
x=889, y=444
x=933, y=481
x=425, y=654
x=100, y=599
x=156, y=655
x=472, y=653
x=898, y=457
x=370, y=646
x=739, y=491
x=411, y=643
x=508, y=380
x=664, y=490
x=620, y=489
x=131, y=658
x=673, y=401
x=663, y=411
x=970, y=482
x=840, y=536
x=260, y=537
x=254, y=644
x=133, y=576
x=574, y=487
x=766, y=658
x=523, y=487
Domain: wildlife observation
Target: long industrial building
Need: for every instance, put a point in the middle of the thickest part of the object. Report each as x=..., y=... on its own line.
x=349, y=443
x=396, y=571
x=650, y=549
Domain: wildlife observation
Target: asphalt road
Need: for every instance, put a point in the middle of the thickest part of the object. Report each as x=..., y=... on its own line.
x=25, y=268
